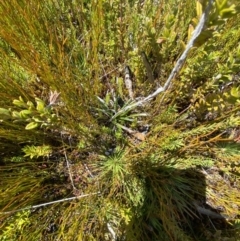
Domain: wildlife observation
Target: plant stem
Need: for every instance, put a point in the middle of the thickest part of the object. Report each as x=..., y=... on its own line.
x=53, y=202
x=199, y=29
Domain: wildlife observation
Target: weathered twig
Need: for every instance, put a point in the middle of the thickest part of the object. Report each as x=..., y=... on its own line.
x=138, y=135
x=199, y=29
x=69, y=170
x=68, y=166
x=53, y=202
x=110, y=229
x=209, y=213
x=128, y=82
x=90, y=173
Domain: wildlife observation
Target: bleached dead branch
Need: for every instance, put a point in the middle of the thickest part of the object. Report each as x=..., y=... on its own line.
x=199, y=29
x=53, y=202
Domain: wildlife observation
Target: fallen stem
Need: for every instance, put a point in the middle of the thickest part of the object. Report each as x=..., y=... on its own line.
x=53, y=202
x=199, y=29
x=68, y=166
x=110, y=229
x=209, y=213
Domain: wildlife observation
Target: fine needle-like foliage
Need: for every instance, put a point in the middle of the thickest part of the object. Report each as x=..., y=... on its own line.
x=119, y=120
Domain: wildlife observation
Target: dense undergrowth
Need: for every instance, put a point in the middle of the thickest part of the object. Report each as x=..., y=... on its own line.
x=165, y=170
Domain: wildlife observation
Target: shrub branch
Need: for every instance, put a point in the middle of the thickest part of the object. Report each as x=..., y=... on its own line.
x=199, y=29
x=50, y=203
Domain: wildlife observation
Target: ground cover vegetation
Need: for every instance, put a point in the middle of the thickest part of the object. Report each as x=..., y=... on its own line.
x=88, y=151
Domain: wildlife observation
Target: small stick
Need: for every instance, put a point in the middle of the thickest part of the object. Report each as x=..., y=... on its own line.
x=86, y=167
x=68, y=166
x=53, y=202
x=69, y=170
x=199, y=29
x=128, y=82
x=209, y=213
x=110, y=229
